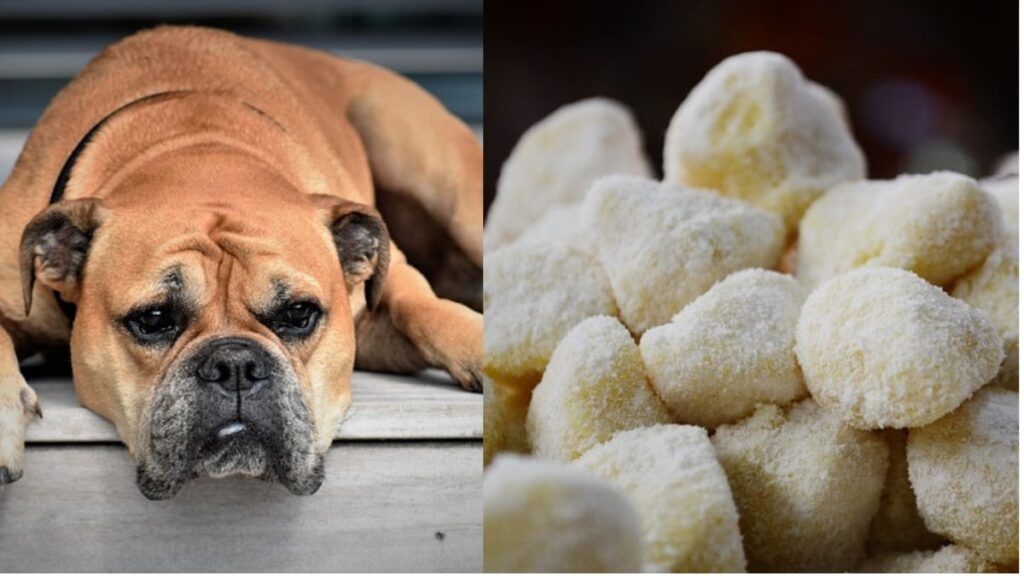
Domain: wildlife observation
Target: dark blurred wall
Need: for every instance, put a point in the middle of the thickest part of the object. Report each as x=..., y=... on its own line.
x=929, y=85
x=436, y=43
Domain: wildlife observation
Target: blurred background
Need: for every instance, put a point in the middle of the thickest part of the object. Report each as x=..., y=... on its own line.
x=928, y=85
x=437, y=43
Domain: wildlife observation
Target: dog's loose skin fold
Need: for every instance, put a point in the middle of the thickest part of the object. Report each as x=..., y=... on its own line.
x=236, y=173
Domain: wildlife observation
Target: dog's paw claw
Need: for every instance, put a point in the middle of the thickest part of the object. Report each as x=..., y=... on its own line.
x=7, y=477
x=470, y=379
x=30, y=403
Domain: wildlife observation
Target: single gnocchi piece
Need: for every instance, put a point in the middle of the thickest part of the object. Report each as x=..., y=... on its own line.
x=546, y=517
x=663, y=246
x=994, y=289
x=729, y=350
x=882, y=348
x=533, y=295
x=951, y=558
x=671, y=476
x=556, y=160
x=964, y=470
x=937, y=225
x=755, y=129
x=806, y=486
x=504, y=423
x=594, y=386
x=898, y=526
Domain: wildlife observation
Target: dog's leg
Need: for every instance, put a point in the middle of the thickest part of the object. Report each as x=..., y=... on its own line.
x=428, y=169
x=18, y=406
x=413, y=329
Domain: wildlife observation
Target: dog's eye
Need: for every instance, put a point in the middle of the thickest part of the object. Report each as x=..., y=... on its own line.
x=296, y=320
x=153, y=325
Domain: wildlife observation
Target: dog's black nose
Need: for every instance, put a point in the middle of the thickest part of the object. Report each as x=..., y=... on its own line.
x=234, y=366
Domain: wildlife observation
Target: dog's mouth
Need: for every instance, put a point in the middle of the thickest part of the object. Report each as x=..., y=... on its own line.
x=194, y=432
x=235, y=448
x=240, y=447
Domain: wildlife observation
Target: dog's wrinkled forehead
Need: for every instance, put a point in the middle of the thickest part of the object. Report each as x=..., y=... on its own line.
x=209, y=261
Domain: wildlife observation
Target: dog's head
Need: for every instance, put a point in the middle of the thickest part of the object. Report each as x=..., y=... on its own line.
x=214, y=321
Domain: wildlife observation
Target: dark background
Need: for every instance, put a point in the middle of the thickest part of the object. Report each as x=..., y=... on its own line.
x=928, y=84
x=43, y=43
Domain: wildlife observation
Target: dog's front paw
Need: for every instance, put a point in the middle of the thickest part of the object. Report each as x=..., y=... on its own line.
x=18, y=407
x=461, y=348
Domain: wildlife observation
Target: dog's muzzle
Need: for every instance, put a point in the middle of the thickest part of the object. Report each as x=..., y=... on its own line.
x=230, y=408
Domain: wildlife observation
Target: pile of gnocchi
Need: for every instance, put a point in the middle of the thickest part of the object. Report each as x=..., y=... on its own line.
x=762, y=362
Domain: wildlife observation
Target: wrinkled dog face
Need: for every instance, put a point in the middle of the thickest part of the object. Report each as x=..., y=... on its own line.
x=219, y=339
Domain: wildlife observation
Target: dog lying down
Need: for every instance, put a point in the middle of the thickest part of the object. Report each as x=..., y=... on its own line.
x=199, y=216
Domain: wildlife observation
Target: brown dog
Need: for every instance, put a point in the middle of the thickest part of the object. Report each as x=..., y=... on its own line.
x=205, y=203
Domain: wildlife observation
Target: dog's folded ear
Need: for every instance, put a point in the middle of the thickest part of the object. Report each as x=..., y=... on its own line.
x=362, y=241
x=54, y=246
